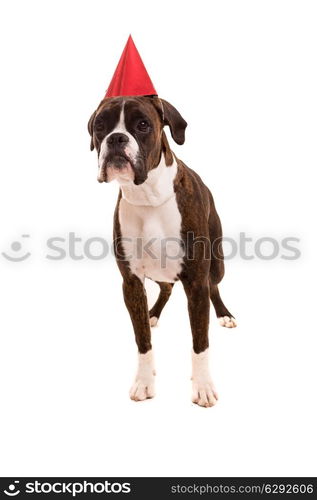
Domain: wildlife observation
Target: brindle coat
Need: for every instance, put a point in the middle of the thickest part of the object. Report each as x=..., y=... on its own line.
x=203, y=266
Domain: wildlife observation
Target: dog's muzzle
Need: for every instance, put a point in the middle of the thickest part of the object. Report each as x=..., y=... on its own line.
x=117, y=164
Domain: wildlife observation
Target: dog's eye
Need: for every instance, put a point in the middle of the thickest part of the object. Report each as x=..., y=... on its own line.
x=143, y=126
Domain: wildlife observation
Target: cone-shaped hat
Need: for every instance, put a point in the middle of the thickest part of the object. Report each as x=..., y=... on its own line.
x=130, y=76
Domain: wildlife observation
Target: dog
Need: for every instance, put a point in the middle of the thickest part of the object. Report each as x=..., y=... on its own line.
x=166, y=228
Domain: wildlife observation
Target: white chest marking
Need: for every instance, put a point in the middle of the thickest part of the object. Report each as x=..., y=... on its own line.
x=150, y=225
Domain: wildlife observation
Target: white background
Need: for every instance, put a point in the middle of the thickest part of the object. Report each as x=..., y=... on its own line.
x=243, y=74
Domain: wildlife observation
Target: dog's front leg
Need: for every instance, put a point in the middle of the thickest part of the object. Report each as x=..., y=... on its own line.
x=136, y=302
x=204, y=393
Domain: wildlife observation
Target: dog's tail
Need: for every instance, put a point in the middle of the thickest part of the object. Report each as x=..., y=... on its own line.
x=217, y=268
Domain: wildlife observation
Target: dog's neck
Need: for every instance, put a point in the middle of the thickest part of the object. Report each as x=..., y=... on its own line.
x=156, y=189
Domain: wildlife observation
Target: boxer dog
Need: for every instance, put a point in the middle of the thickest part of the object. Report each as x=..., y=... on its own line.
x=166, y=228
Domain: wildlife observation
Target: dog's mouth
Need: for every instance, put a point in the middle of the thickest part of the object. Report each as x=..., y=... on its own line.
x=116, y=166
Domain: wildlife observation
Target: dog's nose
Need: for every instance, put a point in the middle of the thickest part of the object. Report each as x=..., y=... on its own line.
x=117, y=139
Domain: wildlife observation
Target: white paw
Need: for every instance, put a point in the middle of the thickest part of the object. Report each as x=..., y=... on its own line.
x=143, y=386
x=227, y=321
x=142, y=389
x=204, y=393
x=153, y=321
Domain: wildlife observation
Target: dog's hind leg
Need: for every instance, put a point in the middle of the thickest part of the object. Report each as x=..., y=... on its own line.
x=217, y=270
x=165, y=293
x=225, y=317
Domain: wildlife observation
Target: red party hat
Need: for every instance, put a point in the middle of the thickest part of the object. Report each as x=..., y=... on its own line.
x=130, y=76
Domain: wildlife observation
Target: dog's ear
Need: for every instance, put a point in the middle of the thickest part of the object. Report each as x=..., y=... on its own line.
x=90, y=129
x=174, y=120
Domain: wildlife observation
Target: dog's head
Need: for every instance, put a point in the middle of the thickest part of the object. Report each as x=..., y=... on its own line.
x=128, y=135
